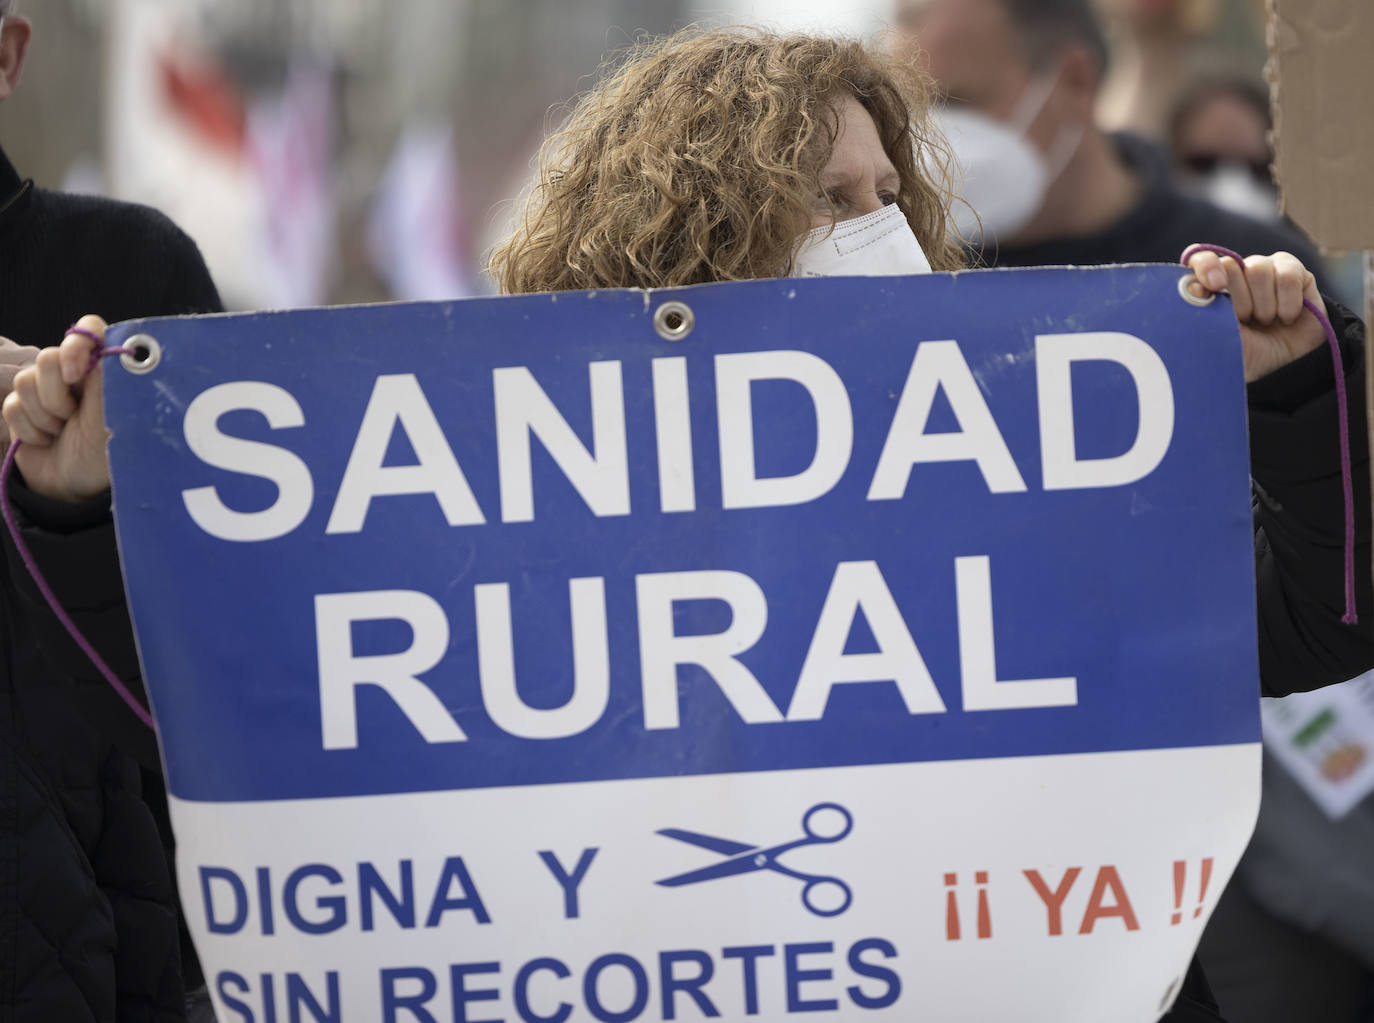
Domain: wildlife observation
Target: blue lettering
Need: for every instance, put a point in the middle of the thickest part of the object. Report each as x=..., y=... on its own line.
x=522, y=980
x=671, y=984
x=454, y=870
x=265, y=899
x=796, y=977
x=593, y=999
x=222, y=981
x=370, y=883
x=338, y=915
x=392, y=1001
x=748, y=956
x=569, y=882
x=208, y=874
x=298, y=993
x=461, y=995
x=882, y=973
x=269, y=998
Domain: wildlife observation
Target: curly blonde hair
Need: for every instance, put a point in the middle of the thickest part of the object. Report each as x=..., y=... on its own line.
x=697, y=158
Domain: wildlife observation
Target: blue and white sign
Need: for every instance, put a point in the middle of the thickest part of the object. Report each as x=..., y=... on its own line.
x=849, y=648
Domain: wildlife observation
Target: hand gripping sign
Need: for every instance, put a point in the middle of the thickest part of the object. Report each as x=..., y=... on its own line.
x=850, y=648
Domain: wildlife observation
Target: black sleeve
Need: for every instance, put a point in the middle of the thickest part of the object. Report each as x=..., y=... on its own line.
x=75, y=550
x=1196, y=1003
x=189, y=286
x=1300, y=518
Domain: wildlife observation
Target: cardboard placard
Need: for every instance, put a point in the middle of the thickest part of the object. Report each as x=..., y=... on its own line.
x=1320, y=79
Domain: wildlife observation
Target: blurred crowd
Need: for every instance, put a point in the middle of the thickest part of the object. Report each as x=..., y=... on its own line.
x=365, y=118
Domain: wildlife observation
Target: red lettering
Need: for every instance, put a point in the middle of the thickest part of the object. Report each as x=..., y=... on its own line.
x=1053, y=900
x=1107, y=877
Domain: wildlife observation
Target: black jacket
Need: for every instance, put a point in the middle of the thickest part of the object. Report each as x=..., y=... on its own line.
x=1299, y=546
x=88, y=922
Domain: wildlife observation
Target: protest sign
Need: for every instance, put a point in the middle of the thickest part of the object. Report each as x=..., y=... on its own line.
x=842, y=647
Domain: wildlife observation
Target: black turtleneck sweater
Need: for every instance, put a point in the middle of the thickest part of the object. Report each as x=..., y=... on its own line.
x=62, y=256
x=88, y=920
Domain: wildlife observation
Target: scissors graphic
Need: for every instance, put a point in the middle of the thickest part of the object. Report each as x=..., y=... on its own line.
x=822, y=895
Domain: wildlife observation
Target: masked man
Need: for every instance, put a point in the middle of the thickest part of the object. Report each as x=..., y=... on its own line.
x=1044, y=185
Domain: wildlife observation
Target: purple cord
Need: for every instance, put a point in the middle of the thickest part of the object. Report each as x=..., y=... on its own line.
x=1343, y=429
x=6, y=470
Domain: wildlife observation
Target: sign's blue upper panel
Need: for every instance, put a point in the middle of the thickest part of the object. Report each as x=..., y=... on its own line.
x=1142, y=592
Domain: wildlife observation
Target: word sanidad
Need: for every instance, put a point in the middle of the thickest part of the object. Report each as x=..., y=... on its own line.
x=600, y=473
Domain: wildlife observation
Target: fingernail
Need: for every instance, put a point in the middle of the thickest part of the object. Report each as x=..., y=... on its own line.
x=1216, y=278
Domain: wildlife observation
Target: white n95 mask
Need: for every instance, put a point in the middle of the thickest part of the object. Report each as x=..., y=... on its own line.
x=1233, y=187
x=878, y=244
x=1005, y=177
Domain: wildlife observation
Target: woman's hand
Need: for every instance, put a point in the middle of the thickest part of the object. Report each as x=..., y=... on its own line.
x=58, y=412
x=13, y=358
x=1266, y=293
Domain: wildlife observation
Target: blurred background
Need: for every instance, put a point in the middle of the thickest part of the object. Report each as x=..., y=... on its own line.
x=327, y=151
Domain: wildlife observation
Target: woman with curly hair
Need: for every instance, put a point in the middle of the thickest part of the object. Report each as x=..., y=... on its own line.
x=704, y=157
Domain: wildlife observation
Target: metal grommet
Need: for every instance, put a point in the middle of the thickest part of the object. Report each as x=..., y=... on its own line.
x=1189, y=297
x=674, y=320
x=146, y=354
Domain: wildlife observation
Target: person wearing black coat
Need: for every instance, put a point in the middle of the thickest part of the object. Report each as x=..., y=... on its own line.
x=89, y=926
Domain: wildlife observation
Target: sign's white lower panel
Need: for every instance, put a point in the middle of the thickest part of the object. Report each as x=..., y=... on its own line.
x=1064, y=888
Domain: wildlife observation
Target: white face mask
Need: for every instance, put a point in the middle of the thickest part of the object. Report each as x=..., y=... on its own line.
x=1233, y=187
x=1005, y=177
x=879, y=244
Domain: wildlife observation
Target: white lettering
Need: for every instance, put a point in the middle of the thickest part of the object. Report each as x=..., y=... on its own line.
x=859, y=586
x=982, y=690
x=739, y=484
x=295, y=489
x=591, y=663
x=342, y=671
x=940, y=364
x=673, y=430
x=661, y=650
x=523, y=409
x=1055, y=355
x=397, y=400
